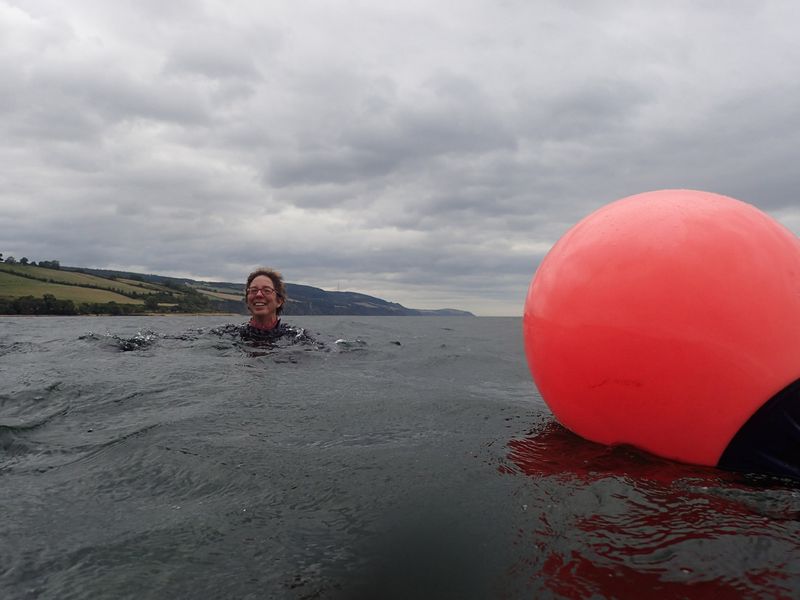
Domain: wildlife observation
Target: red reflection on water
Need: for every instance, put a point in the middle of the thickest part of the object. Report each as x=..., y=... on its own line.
x=556, y=451
x=579, y=577
x=619, y=523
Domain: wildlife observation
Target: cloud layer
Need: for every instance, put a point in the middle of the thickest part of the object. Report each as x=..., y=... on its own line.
x=428, y=155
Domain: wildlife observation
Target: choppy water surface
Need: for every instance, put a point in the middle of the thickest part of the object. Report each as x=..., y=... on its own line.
x=397, y=458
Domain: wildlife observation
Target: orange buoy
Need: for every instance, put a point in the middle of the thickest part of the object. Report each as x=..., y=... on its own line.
x=667, y=320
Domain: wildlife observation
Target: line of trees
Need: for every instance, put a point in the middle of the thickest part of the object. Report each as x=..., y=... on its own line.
x=46, y=305
x=47, y=264
x=50, y=305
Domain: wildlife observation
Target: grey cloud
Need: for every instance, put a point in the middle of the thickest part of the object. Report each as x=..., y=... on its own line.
x=221, y=55
x=453, y=119
x=209, y=138
x=598, y=108
x=116, y=96
x=78, y=106
x=336, y=165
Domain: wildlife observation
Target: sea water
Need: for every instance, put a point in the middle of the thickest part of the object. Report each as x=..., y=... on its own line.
x=409, y=457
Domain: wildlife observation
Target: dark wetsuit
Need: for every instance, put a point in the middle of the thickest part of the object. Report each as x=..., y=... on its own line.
x=248, y=333
x=251, y=333
x=279, y=336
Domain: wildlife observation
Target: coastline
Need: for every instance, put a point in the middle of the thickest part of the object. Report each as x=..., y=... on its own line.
x=142, y=314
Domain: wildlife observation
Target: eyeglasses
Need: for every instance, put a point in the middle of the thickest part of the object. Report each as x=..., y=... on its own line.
x=267, y=291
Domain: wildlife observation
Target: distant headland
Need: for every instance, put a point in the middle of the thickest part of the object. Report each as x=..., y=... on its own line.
x=47, y=288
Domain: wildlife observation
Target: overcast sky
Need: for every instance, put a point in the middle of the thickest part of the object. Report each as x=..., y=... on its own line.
x=427, y=152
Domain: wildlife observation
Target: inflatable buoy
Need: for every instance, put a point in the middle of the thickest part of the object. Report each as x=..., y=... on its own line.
x=670, y=321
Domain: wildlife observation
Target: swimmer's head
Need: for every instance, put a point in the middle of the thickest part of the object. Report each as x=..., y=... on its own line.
x=277, y=283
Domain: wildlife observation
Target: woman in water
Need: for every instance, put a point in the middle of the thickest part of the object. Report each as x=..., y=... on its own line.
x=265, y=296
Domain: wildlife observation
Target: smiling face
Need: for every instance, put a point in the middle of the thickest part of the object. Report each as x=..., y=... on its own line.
x=262, y=300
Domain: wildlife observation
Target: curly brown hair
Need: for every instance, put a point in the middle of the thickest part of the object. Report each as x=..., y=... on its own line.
x=277, y=283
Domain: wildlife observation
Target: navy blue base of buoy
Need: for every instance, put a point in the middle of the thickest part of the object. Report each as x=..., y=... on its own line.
x=769, y=442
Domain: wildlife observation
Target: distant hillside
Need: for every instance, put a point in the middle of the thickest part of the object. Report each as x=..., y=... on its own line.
x=76, y=290
x=308, y=300
x=303, y=299
x=28, y=289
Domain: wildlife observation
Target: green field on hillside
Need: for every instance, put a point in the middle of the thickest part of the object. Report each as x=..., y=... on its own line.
x=70, y=277
x=14, y=286
x=149, y=286
x=220, y=295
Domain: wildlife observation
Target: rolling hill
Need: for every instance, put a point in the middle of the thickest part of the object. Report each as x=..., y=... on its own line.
x=29, y=289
